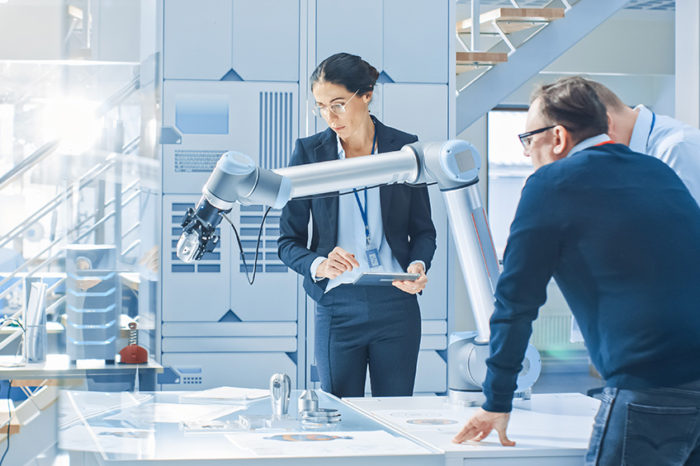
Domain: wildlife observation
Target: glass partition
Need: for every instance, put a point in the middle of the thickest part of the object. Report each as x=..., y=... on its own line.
x=78, y=172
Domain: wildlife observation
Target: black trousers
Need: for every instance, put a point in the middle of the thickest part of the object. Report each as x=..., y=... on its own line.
x=357, y=326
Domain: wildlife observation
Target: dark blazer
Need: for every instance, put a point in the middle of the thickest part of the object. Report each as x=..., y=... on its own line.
x=408, y=228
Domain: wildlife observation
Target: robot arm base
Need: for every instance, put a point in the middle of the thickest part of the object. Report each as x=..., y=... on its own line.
x=467, y=369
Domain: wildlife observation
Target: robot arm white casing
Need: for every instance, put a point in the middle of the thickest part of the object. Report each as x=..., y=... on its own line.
x=234, y=179
x=453, y=165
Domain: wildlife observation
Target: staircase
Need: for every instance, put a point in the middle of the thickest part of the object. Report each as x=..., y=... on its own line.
x=502, y=23
x=509, y=45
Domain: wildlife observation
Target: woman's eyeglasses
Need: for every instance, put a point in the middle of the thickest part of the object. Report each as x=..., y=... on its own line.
x=337, y=109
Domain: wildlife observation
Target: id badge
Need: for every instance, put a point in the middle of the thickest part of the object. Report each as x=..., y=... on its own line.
x=372, y=257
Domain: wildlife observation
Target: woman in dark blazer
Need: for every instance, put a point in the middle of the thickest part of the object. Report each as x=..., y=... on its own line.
x=386, y=229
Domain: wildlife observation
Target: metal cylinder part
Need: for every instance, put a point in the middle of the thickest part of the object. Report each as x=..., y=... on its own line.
x=308, y=401
x=280, y=388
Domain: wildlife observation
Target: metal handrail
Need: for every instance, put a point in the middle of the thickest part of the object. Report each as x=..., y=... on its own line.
x=38, y=155
x=50, y=308
x=53, y=287
x=28, y=162
x=29, y=261
x=52, y=203
x=131, y=247
x=130, y=230
x=120, y=95
x=131, y=145
x=116, y=203
x=57, y=255
x=61, y=238
x=95, y=225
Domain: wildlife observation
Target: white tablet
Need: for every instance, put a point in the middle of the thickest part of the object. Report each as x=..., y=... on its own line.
x=383, y=278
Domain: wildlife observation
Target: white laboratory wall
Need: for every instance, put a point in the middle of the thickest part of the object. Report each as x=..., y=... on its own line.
x=49, y=29
x=415, y=41
x=687, y=95
x=207, y=118
x=390, y=35
x=256, y=39
x=268, y=24
x=197, y=39
x=38, y=39
x=220, y=57
x=221, y=93
x=118, y=24
x=353, y=27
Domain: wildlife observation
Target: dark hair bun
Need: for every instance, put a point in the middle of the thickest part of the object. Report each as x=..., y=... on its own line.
x=347, y=70
x=373, y=73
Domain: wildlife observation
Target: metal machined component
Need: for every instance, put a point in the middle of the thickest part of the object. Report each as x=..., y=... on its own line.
x=280, y=388
x=308, y=401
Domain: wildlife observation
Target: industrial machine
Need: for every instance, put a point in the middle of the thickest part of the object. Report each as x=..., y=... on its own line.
x=453, y=165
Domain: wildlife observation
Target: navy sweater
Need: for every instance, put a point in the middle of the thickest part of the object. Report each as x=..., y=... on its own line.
x=620, y=233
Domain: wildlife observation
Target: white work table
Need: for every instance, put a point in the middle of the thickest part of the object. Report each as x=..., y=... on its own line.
x=184, y=428
x=180, y=428
x=59, y=366
x=549, y=429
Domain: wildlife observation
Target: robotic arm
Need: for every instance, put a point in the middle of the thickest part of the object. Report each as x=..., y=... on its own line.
x=453, y=164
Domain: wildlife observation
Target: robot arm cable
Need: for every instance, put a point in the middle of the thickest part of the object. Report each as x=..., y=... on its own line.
x=240, y=245
x=262, y=225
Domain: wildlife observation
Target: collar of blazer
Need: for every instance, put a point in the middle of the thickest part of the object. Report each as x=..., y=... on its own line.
x=327, y=150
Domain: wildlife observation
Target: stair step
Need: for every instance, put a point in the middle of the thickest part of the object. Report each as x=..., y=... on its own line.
x=481, y=58
x=14, y=425
x=467, y=61
x=511, y=19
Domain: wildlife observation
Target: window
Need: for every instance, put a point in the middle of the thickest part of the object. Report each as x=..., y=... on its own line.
x=508, y=169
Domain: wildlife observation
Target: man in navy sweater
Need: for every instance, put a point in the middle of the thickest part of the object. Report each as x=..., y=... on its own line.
x=620, y=233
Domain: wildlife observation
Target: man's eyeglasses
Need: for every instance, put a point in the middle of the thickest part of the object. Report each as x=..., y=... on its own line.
x=526, y=138
x=337, y=109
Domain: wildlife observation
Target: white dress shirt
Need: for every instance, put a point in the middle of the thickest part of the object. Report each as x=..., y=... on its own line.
x=590, y=142
x=672, y=141
x=351, y=234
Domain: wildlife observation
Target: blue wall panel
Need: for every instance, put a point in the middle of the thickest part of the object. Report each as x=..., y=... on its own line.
x=416, y=39
x=354, y=27
x=200, y=371
x=196, y=39
x=261, y=121
x=205, y=116
x=266, y=39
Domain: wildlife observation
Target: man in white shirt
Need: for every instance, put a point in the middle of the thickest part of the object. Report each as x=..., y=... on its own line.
x=669, y=140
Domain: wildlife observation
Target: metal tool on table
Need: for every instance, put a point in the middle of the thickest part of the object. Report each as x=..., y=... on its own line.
x=280, y=388
x=308, y=401
x=320, y=417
